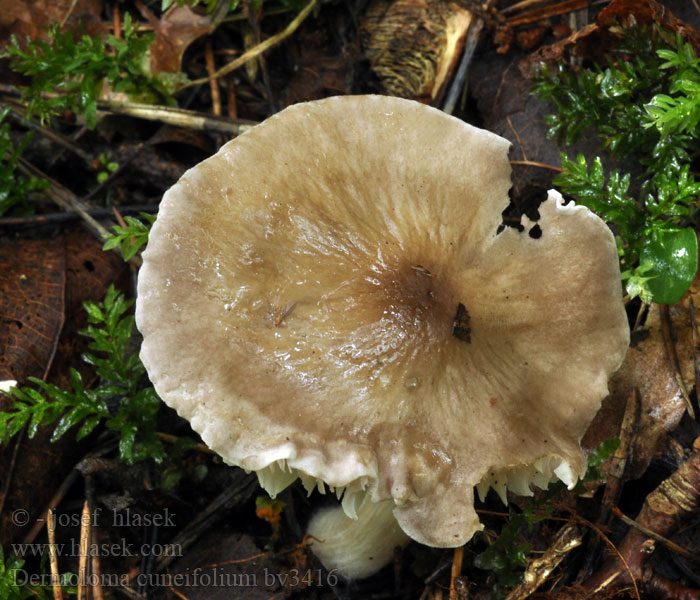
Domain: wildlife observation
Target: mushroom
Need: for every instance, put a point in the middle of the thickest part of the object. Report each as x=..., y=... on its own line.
x=329, y=298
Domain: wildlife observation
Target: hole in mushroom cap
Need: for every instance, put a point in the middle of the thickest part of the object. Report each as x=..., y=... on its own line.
x=535, y=232
x=526, y=204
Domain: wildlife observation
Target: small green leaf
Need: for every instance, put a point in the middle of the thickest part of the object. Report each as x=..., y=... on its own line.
x=674, y=256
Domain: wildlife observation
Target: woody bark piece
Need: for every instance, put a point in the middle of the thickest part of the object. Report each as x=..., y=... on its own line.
x=569, y=537
x=665, y=509
x=414, y=45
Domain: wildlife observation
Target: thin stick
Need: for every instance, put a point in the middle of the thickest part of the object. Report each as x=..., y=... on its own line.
x=213, y=84
x=619, y=556
x=10, y=470
x=68, y=13
x=178, y=594
x=171, y=439
x=63, y=489
x=456, y=570
x=549, y=11
x=53, y=556
x=116, y=17
x=539, y=569
x=260, y=48
x=672, y=354
x=655, y=536
x=64, y=198
x=178, y=117
x=97, y=592
x=457, y=85
x=19, y=118
x=522, y=5
x=531, y=163
x=62, y=217
x=517, y=137
x=84, y=542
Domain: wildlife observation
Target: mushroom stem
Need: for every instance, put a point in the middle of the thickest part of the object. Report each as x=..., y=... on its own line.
x=357, y=548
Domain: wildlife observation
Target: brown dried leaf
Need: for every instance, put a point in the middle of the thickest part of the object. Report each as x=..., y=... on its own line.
x=649, y=368
x=89, y=272
x=60, y=274
x=31, y=17
x=595, y=40
x=173, y=35
x=32, y=282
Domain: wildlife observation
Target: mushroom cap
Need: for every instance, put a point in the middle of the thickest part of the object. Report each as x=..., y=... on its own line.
x=298, y=299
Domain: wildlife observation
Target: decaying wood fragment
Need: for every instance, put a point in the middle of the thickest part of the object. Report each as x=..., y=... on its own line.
x=665, y=510
x=414, y=45
x=617, y=472
x=569, y=537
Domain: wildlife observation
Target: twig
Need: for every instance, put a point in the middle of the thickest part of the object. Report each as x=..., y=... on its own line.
x=517, y=137
x=114, y=174
x=56, y=138
x=213, y=84
x=68, y=13
x=178, y=117
x=242, y=489
x=64, y=198
x=549, y=11
x=665, y=509
x=178, y=594
x=117, y=20
x=63, y=490
x=171, y=439
x=523, y=5
x=97, y=592
x=530, y=163
x=655, y=536
x=254, y=21
x=618, y=556
x=569, y=537
x=432, y=577
x=260, y=48
x=670, y=345
x=53, y=556
x=457, y=85
x=456, y=570
x=615, y=479
x=84, y=552
x=130, y=592
x=62, y=217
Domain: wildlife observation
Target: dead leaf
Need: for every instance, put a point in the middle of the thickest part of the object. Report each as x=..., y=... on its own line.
x=174, y=33
x=40, y=282
x=23, y=18
x=89, y=272
x=595, y=40
x=32, y=282
x=649, y=368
